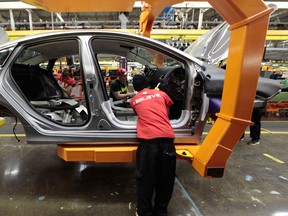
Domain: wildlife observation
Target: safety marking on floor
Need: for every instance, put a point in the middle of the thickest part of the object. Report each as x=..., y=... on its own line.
x=205, y=133
x=273, y=158
x=275, y=121
x=186, y=196
x=264, y=131
x=280, y=132
x=12, y=135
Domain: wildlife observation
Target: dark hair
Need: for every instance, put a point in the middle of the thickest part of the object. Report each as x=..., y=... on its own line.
x=140, y=82
x=65, y=72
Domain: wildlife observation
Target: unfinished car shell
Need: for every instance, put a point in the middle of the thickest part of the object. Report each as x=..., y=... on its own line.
x=30, y=91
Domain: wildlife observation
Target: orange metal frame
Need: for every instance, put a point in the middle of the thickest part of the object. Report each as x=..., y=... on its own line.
x=248, y=25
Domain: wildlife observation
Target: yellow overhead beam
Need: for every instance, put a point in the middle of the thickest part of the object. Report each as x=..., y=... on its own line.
x=277, y=35
x=98, y=5
x=161, y=34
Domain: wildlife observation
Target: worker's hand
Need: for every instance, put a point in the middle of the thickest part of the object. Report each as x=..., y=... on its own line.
x=130, y=95
x=157, y=87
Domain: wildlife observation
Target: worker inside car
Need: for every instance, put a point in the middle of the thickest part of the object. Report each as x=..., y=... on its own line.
x=119, y=86
x=66, y=81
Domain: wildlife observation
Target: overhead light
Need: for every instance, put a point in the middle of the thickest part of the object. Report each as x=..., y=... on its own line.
x=59, y=17
x=15, y=5
x=279, y=5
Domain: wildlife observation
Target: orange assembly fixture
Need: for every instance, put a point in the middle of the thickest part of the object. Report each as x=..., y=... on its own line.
x=248, y=25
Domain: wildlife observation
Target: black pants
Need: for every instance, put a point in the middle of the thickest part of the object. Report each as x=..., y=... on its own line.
x=255, y=129
x=155, y=173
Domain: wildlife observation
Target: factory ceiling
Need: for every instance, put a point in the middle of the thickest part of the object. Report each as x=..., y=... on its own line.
x=179, y=16
x=183, y=17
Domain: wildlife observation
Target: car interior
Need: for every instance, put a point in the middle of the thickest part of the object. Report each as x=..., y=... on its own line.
x=162, y=71
x=37, y=68
x=35, y=73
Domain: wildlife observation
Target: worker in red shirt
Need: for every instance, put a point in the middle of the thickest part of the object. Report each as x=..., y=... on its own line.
x=156, y=155
x=66, y=81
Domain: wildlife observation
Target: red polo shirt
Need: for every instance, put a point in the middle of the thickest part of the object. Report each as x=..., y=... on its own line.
x=151, y=107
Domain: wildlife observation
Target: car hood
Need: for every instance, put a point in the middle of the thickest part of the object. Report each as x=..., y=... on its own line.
x=214, y=81
x=212, y=46
x=3, y=36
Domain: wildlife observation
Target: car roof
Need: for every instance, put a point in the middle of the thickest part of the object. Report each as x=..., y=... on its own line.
x=71, y=33
x=67, y=33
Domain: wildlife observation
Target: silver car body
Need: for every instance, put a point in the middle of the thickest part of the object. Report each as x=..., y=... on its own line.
x=29, y=91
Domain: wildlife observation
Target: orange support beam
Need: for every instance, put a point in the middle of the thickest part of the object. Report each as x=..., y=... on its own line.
x=146, y=20
x=112, y=154
x=248, y=24
x=97, y=153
